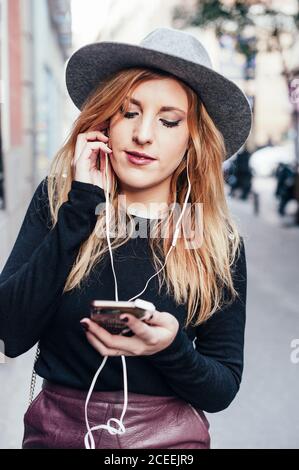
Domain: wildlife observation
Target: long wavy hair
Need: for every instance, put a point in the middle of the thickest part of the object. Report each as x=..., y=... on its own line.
x=195, y=277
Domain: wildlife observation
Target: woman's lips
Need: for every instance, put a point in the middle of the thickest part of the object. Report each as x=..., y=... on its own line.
x=138, y=160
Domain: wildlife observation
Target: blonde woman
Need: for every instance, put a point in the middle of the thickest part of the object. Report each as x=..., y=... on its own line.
x=161, y=99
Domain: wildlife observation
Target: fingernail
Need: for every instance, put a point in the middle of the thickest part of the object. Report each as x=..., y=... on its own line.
x=149, y=315
x=84, y=325
x=125, y=319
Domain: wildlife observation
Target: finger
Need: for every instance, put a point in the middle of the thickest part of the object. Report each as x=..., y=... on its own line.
x=97, y=157
x=97, y=145
x=155, y=317
x=92, y=135
x=149, y=315
x=140, y=327
x=103, y=350
x=91, y=146
x=129, y=344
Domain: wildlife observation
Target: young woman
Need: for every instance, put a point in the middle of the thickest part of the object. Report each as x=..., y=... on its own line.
x=163, y=99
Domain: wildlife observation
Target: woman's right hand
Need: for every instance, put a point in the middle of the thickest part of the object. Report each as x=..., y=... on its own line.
x=88, y=147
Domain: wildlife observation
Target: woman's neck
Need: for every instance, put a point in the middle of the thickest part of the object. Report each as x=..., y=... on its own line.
x=150, y=202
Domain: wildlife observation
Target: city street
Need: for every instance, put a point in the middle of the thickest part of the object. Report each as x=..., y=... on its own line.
x=264, y=414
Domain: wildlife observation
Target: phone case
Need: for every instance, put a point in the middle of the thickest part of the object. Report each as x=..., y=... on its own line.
x=106, y=314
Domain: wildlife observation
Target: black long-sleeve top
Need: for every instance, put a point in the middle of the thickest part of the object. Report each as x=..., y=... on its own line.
x=203, y=365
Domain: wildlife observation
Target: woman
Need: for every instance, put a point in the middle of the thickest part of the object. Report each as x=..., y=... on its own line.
x=161, y=98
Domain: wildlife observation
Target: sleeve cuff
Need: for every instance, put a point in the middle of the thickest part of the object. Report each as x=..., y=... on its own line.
x=89, y=187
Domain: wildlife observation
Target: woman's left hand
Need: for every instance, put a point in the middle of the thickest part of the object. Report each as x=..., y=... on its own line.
x=153, y=334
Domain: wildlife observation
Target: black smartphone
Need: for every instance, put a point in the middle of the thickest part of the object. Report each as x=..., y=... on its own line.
x=107, y=312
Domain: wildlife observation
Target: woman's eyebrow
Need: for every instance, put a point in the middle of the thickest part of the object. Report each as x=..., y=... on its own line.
x=164, y=108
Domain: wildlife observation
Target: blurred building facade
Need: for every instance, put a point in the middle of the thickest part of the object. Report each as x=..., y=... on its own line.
x=35, y=42
x=131, y=21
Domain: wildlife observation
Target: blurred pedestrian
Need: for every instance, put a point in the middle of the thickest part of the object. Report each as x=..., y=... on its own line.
x=241, y=174
x=285, y=187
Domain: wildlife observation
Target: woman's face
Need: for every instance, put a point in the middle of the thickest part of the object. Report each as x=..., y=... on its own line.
x=150, y=129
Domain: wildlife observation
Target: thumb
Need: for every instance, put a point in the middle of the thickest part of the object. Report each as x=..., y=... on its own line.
x=154, y=317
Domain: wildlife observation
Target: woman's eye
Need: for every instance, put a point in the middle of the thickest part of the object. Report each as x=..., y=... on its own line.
x=169, y=123
x=165, y=123
x=129, y=115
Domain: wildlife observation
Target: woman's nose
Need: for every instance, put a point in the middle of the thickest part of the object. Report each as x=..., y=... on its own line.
x=143, y=134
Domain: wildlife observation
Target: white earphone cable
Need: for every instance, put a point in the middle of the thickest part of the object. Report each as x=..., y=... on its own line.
x=88, y=438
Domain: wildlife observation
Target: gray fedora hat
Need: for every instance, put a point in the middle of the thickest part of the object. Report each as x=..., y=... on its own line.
x=177, y=52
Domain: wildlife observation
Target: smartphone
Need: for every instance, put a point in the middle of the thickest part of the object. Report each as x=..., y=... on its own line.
x=106, y=313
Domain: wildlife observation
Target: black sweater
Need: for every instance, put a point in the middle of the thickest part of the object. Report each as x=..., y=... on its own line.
x=202, y=365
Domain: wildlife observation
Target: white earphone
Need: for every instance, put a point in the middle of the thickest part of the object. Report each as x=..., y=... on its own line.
x=88, y=439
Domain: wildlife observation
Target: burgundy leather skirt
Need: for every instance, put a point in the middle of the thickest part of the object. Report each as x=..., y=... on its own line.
x=55, y=420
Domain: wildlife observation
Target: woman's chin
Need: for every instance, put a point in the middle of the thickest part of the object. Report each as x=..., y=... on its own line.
x=129, y=180
x=132, y=186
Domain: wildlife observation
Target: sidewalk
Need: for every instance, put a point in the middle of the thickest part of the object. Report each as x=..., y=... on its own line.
x=265, y=412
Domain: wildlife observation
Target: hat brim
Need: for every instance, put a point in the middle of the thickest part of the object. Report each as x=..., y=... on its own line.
x=224, y=100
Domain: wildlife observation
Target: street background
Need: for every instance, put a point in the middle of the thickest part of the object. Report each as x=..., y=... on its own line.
x=255, y=45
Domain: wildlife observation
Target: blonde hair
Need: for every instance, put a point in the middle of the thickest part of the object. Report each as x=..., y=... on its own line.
x=194, y=277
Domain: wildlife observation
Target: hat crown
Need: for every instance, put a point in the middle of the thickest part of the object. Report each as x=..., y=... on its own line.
x=177, y=43
x=180, y=54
